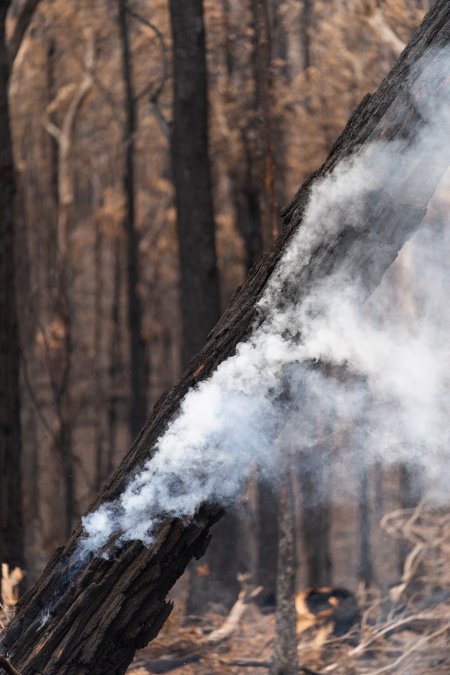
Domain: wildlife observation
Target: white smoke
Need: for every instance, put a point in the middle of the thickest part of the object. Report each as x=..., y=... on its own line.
x=389, y=384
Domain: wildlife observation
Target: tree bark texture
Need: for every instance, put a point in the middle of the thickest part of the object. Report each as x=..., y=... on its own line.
x=191, y=172
x=11, y=535
x=102, y=613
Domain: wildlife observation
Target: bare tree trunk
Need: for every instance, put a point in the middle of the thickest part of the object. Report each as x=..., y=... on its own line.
x=200, y=307
x=264, y=220
x=285, y=659
x=138, y=349
x=11, y=528
x=365, y=567
x=102, y=611
x=114, y=366
x=100, y=473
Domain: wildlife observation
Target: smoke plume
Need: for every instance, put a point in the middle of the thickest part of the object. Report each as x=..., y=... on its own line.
x=322, y=364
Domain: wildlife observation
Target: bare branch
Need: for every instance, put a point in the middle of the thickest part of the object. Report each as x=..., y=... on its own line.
x=379, y=24
x=166, y=126
x=53, y=130
x=155, y=95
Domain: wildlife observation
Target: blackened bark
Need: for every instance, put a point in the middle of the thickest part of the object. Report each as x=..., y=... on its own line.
x=199, y=286
x=262, y=161
x=192, y=179
x=11, y=534
x=138, y=349
x=264, y=222
x=112, y=607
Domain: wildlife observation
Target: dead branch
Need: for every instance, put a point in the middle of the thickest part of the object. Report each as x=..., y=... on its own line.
x=155, y=95
x=251, y=663
x=416, y=647
x=64, y=136
x=231, y=623
x=379, y=24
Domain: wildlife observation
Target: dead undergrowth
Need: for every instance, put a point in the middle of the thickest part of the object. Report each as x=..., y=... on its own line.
x=405, y=631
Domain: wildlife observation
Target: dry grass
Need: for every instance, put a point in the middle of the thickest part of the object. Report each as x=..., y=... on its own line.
x=408, y=631
x=405, y=632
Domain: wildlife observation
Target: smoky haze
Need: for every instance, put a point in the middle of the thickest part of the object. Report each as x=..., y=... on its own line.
x=366, y=377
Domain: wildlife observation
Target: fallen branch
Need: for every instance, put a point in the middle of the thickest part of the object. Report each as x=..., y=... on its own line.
x=231, y=623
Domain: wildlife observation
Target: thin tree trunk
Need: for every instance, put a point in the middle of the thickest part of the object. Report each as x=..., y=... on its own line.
x=104, y=610
x=200, y=308
x=11, y=529
x=285, y=659
x=314, y=479
x=100, y=474
x=263, y=222
x=365, y=567
x=305, y=30
x=114, y=366
x=138, y=349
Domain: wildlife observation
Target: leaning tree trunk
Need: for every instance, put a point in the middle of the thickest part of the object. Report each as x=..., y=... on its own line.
x=102, y=613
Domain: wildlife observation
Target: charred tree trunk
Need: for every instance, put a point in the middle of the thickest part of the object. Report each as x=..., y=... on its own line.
x=102, y=612
x=192, y=179
x=138, y=350
x=215, y=579
x=261, y=227
x=11, y=534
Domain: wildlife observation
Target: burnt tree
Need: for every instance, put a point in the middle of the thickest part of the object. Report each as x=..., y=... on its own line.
x=192, y=177
x=137, y=346
x=11, y=533
x=200, y=297
x=10, y=507
x=100, y=614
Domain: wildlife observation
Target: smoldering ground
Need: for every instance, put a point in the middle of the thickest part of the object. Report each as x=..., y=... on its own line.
x=324, y=361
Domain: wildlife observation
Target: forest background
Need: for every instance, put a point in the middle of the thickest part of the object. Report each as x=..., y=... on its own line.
x=119, y=278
